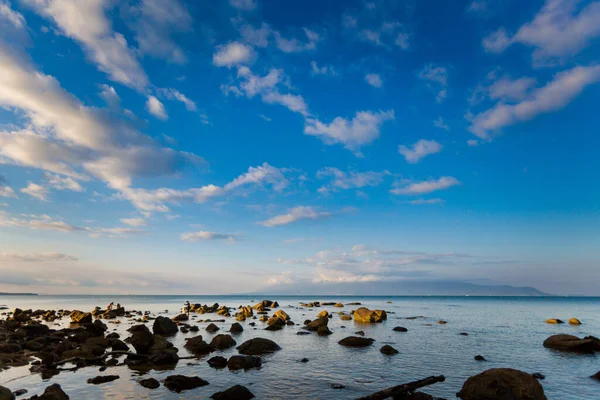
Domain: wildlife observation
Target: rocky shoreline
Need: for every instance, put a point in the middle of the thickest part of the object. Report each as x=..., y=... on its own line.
x=29, y=338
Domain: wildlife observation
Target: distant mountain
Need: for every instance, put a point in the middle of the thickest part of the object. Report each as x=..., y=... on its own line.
x=402, y=288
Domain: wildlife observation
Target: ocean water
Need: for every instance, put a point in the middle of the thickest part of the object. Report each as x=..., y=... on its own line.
x=508, y=332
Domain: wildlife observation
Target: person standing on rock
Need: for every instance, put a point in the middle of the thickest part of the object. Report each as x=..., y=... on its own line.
x=110, y=306
x=187, y=307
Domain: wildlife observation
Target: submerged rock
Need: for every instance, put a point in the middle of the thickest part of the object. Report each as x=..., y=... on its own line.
x=479, y=358
x=554, y=321
x=222, y=342
x=237, y=392
x=400, y=329
x=538, y=375
x=388, y=350
x=356, y=341
x=572, y=343
x=366, y=316
x=150, y=383
x=500, y=384
x=197, y=345
x=596, y=376
x=217, y=362
x=243, y=362
x=52, y=392
x=258, y=346
x=103, y=379
x=574, y=321
x=179, y=383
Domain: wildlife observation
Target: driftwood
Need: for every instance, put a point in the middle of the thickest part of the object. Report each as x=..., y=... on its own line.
x=403, y=390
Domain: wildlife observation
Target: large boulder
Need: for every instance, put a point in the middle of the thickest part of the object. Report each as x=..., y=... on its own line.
x=356, y=341
x=222, y=342
x=80, y=317
x=366, y=316
x=217, y=362
x=282, y=315
x=502, y=384
x=258, y=346
x=314, y=326
x=178, y=383
x=571, y=343
x=6, y=394
x=164, y=357
x=237, y=392
x=236, y=328
x=52, y=392
x=243, y=362
x=164, y=326
x=141, y=338
x=197, y=345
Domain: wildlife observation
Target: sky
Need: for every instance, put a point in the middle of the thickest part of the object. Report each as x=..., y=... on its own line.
x=215, y=147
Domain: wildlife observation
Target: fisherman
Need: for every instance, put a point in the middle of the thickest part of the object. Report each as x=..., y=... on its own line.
x=188, y=307
x=110, y=306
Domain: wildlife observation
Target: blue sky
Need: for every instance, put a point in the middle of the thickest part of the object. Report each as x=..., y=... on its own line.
x=220, y=147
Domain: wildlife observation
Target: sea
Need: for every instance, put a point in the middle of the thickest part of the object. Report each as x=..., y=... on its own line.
x=507, y=331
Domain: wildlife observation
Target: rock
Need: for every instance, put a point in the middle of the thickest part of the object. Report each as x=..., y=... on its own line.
x=479, y=358
x=236, y=328
x=539, y=376
x=180, y=317
x=500, y=384
x=339, y=305
x=80, y=317
x=118, y=345
x=141, y=338
x=103, y=379
x=346, y=317
x=574, y=321
x=19, y=392
x=463, y=334
x=336, y=386
x=360, y=333
x=274, y=327
x=388, y=350
x=596, y=376
x=237, y=392
x=572, y=343
x=282, y=315
x=197, y=345
x=442, y=322
x=554, y=321
x=194, y=329
x=366, y=316
x=323, y=331
x=323, y=314
x=6, y=394
x=52, y=392
x=160, y=343
x=113, y=335
x=164, y=357
x=304, y=360
x=178, y=383
x=222, y=342
x=276, y=321
x=217, y=362
x=353, y=304
x=400, y=329
x=243, y=362
x=302, y=333
x=356, y=341
x=314, y=326
x=212, y=328
x=164, y=326
x=150, y=383
x=258, y=346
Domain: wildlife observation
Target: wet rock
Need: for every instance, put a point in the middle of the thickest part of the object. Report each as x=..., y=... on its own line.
x=304, y=360
x=180, y=317
x=353, y=304
x=323, y=331
x=113, y=335
x=243, y=362
x=574, y=321
x=236, y=328
x=212, y=328
x=302, y=333
x=217, y=362
x=52, y=392
x=360, y=333
x=502, y=383
x=81, y=317
x=118, y=345
x=366, y=316
x=164, y=326
x=338, y=305
x=538, y=376
x=388, y=350
x=19, y=392
x=179, y=383
x=442, y=322
x=356, y=341
x=572, y=343
x=276, y=322
x=479, y=358
x=596, y=376
x=258, y=346
x=346, y=317
x=281, y=315
x=194, y=329
x=150, y=383
x=323, y=314
x=6, y=394
x=463, y=334
x=197, y=345
x=164, y=357
x=222, y=342
x=314, y=326
x=554, y=321
x=141, y=338
x=336, y=386
x=237, y=392
x=400, y=329
x=103, y=379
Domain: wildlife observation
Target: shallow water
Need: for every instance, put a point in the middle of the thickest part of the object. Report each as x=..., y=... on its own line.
x=508, y=332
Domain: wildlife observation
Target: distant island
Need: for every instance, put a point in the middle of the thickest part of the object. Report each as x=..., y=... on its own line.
x=17, y=294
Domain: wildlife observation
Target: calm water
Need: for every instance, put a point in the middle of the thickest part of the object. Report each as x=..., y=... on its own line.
x=507, y=331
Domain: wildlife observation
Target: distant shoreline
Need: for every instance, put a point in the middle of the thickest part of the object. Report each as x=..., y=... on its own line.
x=18, y=294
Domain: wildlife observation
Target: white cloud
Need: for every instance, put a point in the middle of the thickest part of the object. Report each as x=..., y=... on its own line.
x=388, y=32
x=6, y=191
x=511, y=90
x=439, y=123
x=154, y=23
x=374, y=80
x=419, y=150
x=561, y=29
x=294, y=45
x=11, y=16
x=258, y=37
x=232, y=54
x=156, y=108
x=245, y=5
x=363, y=129
x=37, y=191
x=349, y=180
x=294, y=215
x=134, y=221
x=36, y=257
x=436, y=77
x=472, y=142
x=264, y=174
x=555, y=95
x=323, y=70
x=63, y=182
x=283, y=278
x=37, y=222
x=427, y=201
x=174, y=94
x=108, y=49
x=203, y=236
x=109, y=95
x=425, y=187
